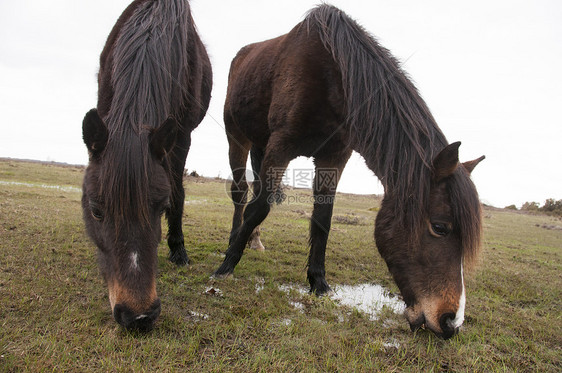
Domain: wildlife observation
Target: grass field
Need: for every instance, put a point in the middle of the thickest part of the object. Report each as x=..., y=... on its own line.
x=55, y=314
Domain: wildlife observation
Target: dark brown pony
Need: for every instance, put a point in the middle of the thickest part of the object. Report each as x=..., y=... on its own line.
x=327, y=88
x=154, y=89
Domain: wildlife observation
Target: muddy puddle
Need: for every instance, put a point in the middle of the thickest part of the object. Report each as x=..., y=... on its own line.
x=369, y=299
x=43, y=186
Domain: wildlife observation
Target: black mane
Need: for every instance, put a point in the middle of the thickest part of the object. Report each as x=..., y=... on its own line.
x=390, y=124
x=148, y=76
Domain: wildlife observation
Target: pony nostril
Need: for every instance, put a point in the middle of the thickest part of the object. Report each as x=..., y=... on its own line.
x=143, y=322
x=446, y=322
x=122, y=314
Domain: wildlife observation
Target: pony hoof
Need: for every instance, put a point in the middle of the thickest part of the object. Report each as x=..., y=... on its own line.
x=321, y=288
x=179, y=257
x=258, y=247
x=223, y=272
x=220, y=276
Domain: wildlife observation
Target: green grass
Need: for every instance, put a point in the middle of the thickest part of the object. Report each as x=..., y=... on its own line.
x=55, y=315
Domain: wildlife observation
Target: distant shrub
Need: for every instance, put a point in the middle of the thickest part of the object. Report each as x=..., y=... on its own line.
x=550, y=207
x=530, y=206
x=511, y=207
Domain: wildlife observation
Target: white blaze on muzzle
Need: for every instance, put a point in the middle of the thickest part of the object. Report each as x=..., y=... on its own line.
x=459, y=316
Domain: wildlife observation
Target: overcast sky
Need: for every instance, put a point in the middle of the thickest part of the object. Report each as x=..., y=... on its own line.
x=489, y=71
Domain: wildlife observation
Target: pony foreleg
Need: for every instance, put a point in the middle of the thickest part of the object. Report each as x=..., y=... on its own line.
x=319, y=231
x=239, y=190
x=238, y=193
x=257, y=210
x=255, y=213
x=256, y=155
x=238, y=150
x=178, y=255
x=326, y=179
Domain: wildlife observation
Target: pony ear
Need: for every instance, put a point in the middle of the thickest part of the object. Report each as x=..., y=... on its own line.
x=163, y=138
x=471, y=164
x=94, y=133
x=446, y=162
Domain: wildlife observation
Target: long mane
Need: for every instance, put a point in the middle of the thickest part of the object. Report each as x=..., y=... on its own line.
x=148, y=75
x=389, y=123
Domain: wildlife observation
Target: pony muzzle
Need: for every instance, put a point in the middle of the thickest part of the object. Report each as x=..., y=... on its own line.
x=131, y=312
x=134, y=321
x=444, y=325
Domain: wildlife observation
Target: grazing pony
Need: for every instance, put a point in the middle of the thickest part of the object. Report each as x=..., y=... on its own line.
x=154, y=89
x=327, y=88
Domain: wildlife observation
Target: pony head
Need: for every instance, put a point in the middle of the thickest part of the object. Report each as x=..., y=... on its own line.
x=426, y=255
x=125, y=192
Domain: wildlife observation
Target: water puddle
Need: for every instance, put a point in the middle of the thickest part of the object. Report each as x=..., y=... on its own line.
x=43, y=186
x=287, y=290
x=195, y=202
x=367, y=298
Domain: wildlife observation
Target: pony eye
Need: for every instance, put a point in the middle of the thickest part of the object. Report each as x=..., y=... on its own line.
x=96, y=211
x=439, y=229
x=96, y=214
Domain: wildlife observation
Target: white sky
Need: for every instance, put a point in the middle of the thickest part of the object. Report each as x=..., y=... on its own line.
x=489, y=71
